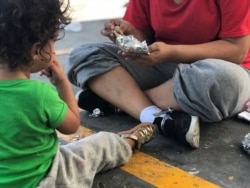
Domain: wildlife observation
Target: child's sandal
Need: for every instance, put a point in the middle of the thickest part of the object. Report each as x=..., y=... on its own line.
x=146, y=132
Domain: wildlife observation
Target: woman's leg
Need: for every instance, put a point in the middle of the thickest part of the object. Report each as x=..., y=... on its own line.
x=120, y=82
x=120, y=89
x=210, y=89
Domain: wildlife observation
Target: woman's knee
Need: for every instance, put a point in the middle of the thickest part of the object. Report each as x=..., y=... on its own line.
x=211, y=84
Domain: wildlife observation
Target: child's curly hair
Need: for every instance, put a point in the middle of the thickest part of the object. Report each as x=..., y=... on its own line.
x=25, y=22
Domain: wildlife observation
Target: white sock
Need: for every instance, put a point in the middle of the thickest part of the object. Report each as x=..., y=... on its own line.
x=147, y=114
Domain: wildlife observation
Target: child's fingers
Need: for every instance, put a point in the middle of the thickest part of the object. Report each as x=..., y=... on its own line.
x=46, y=72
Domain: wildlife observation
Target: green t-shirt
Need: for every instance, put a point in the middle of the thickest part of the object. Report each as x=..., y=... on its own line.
x=29, y=113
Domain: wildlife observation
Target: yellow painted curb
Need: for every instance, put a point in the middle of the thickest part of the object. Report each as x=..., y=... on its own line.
x=163, y=175
x=152, y=170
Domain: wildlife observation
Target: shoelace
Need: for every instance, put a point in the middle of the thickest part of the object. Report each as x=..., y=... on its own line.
x=166, y=116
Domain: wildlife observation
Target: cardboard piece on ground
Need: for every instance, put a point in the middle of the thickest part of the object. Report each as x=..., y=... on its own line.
x=81, y=133
x=244, y=115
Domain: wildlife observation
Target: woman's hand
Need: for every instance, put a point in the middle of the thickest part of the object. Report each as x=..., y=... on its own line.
x=158, y=53
x=125, y=28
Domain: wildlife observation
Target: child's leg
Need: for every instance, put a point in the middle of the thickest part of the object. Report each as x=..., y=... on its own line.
x=76, y=164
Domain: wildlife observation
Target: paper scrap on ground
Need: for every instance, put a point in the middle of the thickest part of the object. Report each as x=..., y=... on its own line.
x=244, y=115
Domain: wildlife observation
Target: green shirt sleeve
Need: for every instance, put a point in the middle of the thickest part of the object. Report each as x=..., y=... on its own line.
x=55, y=108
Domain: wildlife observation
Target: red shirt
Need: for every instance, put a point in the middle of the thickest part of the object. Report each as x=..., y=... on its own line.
x=193, y=21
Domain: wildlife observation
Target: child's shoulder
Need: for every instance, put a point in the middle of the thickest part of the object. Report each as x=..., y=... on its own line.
x=30, y=86
x=40, y=83
x=35, y=84
x=41, y=86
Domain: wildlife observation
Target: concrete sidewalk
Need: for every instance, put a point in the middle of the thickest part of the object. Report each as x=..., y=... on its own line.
x=91, y=10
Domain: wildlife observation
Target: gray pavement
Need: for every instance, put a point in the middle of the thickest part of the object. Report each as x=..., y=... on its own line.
x=220, y=159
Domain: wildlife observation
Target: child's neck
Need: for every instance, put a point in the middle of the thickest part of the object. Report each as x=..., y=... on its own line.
x=6, y=74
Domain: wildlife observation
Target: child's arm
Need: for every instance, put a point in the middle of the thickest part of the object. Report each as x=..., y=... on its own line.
x=58, y=78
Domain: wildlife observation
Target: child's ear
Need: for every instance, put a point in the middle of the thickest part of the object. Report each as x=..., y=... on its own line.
x=35, y=49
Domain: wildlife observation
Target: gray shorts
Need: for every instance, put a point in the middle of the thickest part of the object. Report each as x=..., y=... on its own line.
x=211, y=89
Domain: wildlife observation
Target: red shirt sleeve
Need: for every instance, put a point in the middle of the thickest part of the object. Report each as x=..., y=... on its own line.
x=235, y=17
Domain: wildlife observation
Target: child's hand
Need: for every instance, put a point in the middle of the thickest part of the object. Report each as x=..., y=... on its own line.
x=55, y=73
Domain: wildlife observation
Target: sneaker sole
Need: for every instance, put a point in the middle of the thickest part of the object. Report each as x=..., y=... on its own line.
x=77, y=98
x=193, y=134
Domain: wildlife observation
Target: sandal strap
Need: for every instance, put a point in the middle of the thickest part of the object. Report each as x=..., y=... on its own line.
x=130, y=136
x=146, y=134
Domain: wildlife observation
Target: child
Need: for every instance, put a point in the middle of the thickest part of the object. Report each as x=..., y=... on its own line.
x=31, y=110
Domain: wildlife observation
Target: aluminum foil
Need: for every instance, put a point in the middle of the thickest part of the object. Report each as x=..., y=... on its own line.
x=246, y=143
x=96, y=113
x=129, y=43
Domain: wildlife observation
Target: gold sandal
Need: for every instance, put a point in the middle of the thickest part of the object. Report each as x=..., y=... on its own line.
x=146, y=132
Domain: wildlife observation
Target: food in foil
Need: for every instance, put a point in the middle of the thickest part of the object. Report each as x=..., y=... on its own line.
x=129, y=43
x=246, y=143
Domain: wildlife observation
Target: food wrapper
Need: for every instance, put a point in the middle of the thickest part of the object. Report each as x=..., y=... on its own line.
x=129, y=43
x=246, y=143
